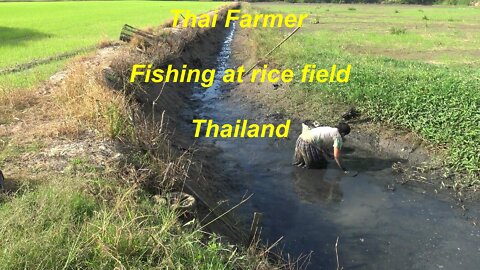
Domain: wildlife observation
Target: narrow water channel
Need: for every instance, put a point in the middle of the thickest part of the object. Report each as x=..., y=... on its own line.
x=377, y=228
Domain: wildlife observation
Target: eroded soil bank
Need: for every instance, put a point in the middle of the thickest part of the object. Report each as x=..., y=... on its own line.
x=380, y=223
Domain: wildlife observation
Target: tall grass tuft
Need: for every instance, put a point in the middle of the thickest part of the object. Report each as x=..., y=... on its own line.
x=397, y=30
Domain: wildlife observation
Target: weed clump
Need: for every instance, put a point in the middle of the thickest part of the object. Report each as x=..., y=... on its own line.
x=397, y=30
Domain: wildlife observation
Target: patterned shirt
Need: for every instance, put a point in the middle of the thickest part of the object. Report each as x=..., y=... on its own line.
x=323, y=137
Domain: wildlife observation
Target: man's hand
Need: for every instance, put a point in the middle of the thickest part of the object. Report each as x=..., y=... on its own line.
x=351, y=173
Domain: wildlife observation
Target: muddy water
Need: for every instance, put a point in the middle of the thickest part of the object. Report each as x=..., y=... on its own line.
x=377, y=228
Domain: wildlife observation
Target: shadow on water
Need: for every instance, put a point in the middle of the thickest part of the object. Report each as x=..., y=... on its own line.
x=365, y=162
x=13, y=36
x=377, y=228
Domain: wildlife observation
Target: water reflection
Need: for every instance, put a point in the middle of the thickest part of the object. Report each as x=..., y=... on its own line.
x=312, y=186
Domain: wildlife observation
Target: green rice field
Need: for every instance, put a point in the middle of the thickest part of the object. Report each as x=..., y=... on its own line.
x=36, y=30
x=448, y=35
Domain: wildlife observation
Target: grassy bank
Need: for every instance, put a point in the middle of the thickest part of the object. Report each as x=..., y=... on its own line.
x=81, y=167
x=440, y=102
x=84, y=169
x=99, y=223
x=33, y=30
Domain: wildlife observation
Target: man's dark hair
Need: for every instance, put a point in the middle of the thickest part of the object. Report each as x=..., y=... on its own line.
x=343, y=128
x=309, y=123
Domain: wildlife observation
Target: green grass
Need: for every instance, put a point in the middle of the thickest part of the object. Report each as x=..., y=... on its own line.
x=439, y=102
x=38, y=30
x=30, y=77
x=450, y=36
x=75, y=223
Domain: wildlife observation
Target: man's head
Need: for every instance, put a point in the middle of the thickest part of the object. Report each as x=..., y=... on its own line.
x=343, y=128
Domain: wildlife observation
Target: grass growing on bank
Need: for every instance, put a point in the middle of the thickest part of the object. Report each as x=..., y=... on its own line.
x=439, y=102
x=33, y=30
x=95, y=214
x=102, y=223
x=96, y=211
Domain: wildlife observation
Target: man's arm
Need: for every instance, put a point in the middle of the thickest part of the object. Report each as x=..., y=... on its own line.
x=336, y=156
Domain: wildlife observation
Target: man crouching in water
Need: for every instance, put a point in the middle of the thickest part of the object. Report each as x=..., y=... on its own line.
x=314, y=144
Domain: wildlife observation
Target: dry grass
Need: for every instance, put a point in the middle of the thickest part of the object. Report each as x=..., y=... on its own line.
x=84, y=101
x=80, y=103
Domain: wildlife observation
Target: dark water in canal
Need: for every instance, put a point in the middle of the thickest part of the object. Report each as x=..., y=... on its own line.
x=377, y=228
